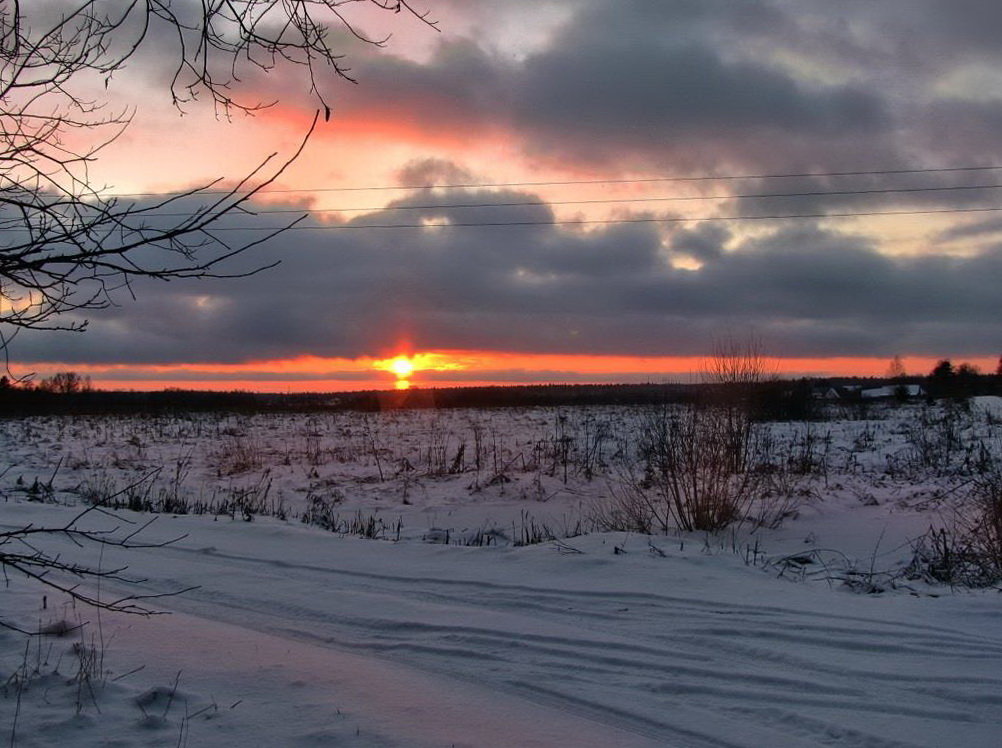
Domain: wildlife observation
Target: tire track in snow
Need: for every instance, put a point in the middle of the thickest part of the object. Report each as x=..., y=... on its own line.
x=659, y=600
x=623, y=657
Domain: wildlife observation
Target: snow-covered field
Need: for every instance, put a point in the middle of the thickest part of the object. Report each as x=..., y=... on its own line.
x=456, y=588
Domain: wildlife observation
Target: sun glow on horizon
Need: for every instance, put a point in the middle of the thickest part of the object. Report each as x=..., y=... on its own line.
x=454, y=368
x=402, y=366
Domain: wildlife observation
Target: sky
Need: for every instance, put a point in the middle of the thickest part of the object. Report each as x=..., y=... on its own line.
x=619, y=161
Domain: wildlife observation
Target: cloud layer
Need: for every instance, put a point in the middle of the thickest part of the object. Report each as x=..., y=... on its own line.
x=614, y=88
x=712, y=85
x=630, y=288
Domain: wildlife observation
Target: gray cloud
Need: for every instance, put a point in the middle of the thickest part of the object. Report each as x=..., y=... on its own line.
x=632, y=80
x=975, y=229
x=614, y=81
x=632, y=86
x=683, y=86
x=721, y=87
x=433, y=171
x=688, y=86
x=546, y=288
x=704, y=242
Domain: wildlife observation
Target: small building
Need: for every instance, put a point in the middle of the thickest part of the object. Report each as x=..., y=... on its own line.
x=825, y=393
x=907, y=391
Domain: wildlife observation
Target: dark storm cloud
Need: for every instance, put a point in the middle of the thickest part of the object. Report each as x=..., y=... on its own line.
x=688, y=86
x=965, y=27
x=460, y=87
x=723, y=87
x=633, y=86
x=704, y=242
x=634, y=79
x=354, y=291
x=621, y=78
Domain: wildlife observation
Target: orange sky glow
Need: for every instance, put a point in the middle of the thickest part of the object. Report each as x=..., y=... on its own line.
x=350, y=146
x=494, y=99
x=456, y=368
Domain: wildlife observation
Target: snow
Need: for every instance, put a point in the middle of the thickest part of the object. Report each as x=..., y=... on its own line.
x=295, y=635
x=908, y=390
x=989, y=404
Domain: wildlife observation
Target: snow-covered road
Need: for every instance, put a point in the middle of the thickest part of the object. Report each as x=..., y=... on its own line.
x=421, y=644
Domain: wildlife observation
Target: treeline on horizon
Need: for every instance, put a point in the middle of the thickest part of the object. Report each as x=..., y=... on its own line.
x=772, y=399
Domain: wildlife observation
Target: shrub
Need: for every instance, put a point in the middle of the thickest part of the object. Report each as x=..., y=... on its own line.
x=969, y=552
x=698, y=472
x=321, y=512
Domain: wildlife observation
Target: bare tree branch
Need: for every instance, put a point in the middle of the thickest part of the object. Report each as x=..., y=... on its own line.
x=66, y=247
x=23, y=551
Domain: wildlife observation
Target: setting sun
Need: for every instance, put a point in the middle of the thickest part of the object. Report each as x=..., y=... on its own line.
x=402, y=366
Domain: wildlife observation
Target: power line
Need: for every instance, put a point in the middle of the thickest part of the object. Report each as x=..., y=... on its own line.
x=551, y=183
x=606, y=201
x=606, y=221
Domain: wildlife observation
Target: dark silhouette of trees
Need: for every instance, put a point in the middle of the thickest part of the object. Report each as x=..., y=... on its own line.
x=959, y=382
x=65, y=383
x=942, y=370
x=940, y=382
x=966, y=381
x=899, y=377
x=896, y=369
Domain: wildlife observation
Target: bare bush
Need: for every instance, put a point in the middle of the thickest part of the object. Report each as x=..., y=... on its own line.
x=698, y=473
x=237, y=455
x=938, y=442
x=790, y=468
x=987, y=528
x=968, y=553
x=633, y=507
x=735, y=362
x=321, y=512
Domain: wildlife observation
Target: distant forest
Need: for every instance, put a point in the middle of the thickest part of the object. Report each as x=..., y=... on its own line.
x=68, y=392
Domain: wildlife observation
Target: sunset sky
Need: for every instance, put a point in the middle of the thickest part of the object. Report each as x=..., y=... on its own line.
x=612, y=157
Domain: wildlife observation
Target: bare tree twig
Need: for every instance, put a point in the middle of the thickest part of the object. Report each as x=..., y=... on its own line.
x=21, y=551
x=65, y=247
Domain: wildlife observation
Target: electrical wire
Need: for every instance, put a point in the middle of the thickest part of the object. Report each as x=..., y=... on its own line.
x=608, y=201
x=605, y=221
x=551, y=183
